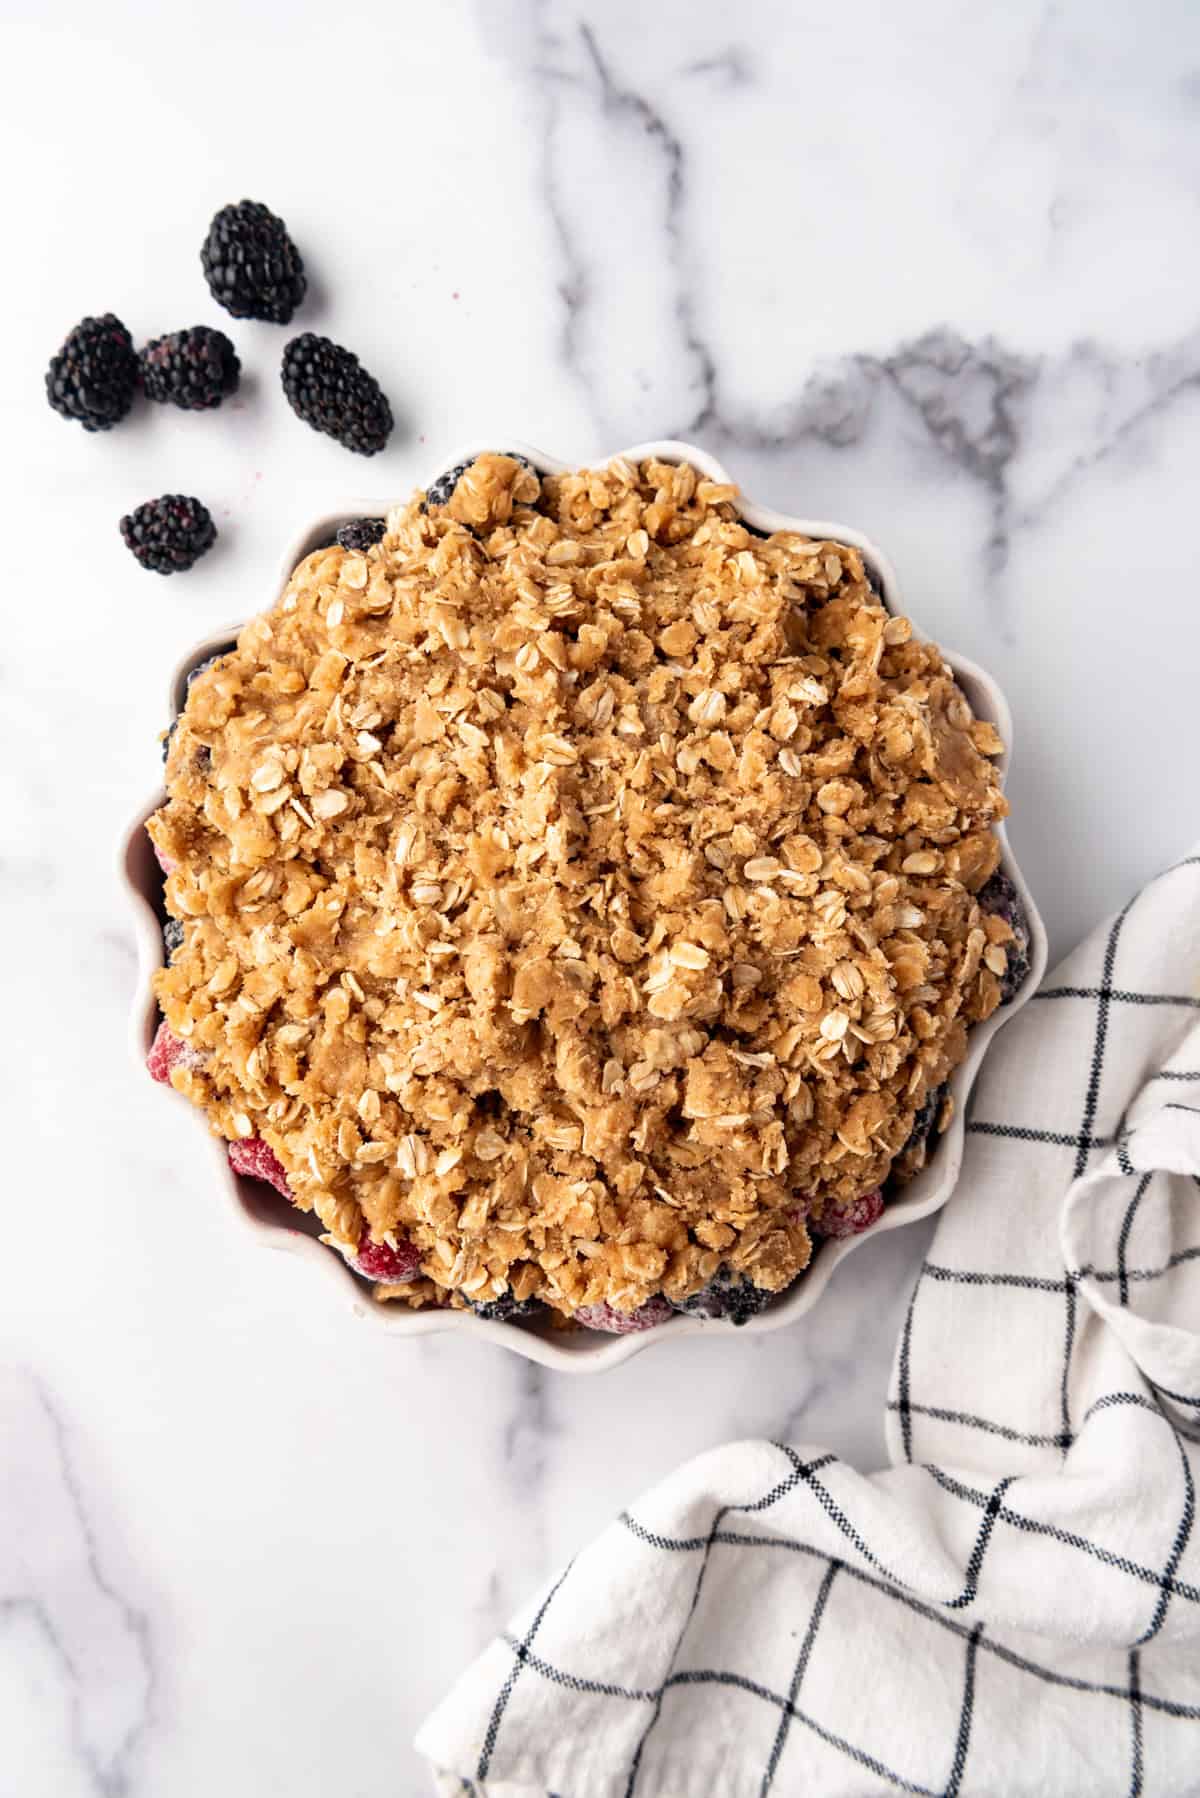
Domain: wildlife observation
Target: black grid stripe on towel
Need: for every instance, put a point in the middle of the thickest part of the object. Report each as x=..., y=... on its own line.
x=1135, y=1697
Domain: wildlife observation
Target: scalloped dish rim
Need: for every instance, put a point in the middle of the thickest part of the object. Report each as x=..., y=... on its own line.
x=577, y=1351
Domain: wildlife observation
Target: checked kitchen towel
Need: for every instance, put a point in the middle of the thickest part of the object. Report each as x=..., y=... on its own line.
x=1014, y=1605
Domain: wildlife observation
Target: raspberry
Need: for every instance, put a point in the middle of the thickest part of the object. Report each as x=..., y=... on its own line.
x=852, y=1219
x=164, y=861
x=379, y=1261
x=251, y=1156
x=169, y=1051
x=655, y=1311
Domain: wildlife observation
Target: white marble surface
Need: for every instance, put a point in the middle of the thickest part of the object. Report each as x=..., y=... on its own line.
x=928, y=269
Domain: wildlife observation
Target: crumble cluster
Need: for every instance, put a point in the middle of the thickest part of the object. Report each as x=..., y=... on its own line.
x=579, y=888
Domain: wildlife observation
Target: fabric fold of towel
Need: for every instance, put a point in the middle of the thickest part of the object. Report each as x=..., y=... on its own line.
x=1013, y=1606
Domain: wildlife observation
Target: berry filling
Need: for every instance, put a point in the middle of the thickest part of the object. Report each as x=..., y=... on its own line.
x=728, y=1295
x=251, y=1156
x=1000, y=899
x=655, y=1311
x=361, y=533
x=257, y=1160
x=169, y=1051
x=440, y=491
x=505, y=1308
x=204, y=666
x=924, y=1121
x=379, y=1261
x=850, y=1220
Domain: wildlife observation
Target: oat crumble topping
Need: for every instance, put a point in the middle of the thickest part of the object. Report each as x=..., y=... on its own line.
x=579, y=886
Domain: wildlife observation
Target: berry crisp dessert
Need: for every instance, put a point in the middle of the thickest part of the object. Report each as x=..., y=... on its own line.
x=578, y=900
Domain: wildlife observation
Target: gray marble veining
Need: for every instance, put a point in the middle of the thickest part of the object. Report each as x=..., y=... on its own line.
x=930, y=271
x=58, y=1603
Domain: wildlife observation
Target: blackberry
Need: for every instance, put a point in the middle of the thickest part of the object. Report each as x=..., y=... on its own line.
x=728, y=1295
x=330, y=390
x=445, y=484
x=507, y=1308
x=194, y=369
x=94, y=376
x=439, y=493
x=251, y=265
x=1000, y=898
x=172, y=935
x=361, y=533
x=168, y=534
x=925, y=1119
x=919, y=1145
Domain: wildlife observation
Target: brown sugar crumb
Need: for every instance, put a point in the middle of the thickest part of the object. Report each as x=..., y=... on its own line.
x=579, y=887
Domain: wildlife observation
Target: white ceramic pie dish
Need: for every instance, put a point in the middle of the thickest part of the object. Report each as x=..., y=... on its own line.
x=274, y=1224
